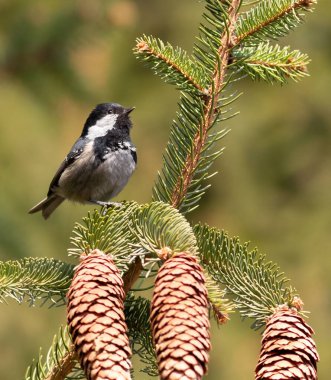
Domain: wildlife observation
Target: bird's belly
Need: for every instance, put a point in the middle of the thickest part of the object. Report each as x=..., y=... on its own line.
x=98, y=181
x=112, y=175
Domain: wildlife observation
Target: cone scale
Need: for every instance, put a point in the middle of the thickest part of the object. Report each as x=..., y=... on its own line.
x=95, y=315
x=179, y=319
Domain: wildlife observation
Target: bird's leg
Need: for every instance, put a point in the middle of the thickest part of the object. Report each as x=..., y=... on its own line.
x=105, y=204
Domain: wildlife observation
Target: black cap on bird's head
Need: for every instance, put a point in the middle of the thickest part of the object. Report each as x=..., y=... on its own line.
x=108, y=115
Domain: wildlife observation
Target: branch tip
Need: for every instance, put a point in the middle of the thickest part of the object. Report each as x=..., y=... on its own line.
x=142, y=46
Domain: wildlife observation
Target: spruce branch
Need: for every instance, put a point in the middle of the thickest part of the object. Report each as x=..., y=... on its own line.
x=132, y=233
x=189, y=154
x=32, y=279
x=221, y=307
x=181, y=183
x=173, y=65
x=159, y=226
x=108, y=231
x=271, y=63
x=257, y=287
x=210, y=106
x=59, y=361
x=270, y=19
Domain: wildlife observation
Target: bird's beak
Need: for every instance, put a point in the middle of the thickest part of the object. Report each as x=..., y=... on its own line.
x=127, y=111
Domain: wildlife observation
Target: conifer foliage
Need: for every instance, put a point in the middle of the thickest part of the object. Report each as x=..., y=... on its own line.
x=118, y=246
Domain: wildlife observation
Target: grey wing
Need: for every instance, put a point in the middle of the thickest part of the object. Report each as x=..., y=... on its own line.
x=72, y=156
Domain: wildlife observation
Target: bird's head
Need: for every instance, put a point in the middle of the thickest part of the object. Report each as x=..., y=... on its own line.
x=106, y=117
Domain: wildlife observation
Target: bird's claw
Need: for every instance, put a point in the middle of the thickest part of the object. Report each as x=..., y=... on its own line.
x=108, y=205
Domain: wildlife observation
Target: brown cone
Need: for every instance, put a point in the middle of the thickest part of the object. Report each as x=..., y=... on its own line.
x=179, y=319
x=288, y=351
x=96, y=319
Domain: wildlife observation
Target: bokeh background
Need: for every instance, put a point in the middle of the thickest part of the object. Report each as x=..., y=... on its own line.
x=59, y=58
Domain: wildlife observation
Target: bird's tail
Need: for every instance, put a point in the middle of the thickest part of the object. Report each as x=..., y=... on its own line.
x=47, y=205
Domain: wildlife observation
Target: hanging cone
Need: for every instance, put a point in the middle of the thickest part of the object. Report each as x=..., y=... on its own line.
x=179, y=319
x=288, y=351
x=96, y=319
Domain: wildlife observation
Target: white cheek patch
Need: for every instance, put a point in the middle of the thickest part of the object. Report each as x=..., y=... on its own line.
x=102, y=126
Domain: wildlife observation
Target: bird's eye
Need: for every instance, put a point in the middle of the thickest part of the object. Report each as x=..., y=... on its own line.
x=110, y=111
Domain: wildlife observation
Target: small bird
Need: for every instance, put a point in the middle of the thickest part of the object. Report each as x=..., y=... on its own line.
x=98, y=165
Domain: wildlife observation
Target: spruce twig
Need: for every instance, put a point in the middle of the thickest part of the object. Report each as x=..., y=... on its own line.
x=271, y=63
x=271, y=19
x=33, y=279
x=177, y=67
x=210, y=108
x=59, y=362
x=256, y=286
x=66, y=366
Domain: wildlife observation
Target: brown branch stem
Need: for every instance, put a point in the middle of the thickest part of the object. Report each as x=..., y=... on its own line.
x=65, y=367
x=132, y=275
x=211, y=101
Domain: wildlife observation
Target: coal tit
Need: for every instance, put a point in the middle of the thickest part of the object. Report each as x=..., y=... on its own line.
x=98, y=165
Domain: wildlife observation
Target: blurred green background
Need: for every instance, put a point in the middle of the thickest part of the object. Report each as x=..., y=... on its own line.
x=59, y=58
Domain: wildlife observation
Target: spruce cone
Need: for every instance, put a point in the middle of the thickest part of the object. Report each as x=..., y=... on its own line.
x=288, y=351
x=179, y=319
x=96, y=318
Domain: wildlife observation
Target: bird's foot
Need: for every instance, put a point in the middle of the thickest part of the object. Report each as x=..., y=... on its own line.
x=105, y=205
